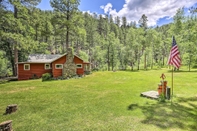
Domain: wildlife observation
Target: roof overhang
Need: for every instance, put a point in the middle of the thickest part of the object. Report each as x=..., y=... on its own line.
x=33, y=62
x=43, y=62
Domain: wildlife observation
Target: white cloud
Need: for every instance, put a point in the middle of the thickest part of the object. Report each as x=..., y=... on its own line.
x=153, y=9
x=107, y=8
x=92, y=13
x=88, y=12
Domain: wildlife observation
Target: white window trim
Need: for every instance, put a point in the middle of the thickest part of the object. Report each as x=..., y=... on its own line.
x=80, y=65
x=58, y=64
x=49, y=66
x=26, y=65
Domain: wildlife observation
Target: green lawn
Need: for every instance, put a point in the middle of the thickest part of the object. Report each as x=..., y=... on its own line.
x=102, y=101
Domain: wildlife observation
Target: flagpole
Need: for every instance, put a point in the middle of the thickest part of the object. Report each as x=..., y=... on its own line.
x=172, y=79
x=172, y=85
x=174, y=60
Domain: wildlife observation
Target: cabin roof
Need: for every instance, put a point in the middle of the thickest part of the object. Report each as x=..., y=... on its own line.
x=45, y=58
x=42, y=58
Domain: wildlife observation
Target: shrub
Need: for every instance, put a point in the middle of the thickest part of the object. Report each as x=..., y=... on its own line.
x=87, y=72
x=34, y=76
x=162, y=98
x=46, y=77
x=95, y=69
x=194, y=66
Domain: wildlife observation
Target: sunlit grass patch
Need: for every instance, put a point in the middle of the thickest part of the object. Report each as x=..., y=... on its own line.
x=101, y=101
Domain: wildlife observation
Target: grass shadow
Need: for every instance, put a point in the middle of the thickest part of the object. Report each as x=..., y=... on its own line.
x=129, y=70
x=135, y=70
x=182, y=71
x=181, y=115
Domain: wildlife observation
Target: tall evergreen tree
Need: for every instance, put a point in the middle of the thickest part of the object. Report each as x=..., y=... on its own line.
x=16, y=29
x=66, y=16
x=143, y=22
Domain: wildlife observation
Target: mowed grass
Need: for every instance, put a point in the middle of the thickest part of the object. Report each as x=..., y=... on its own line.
x=102, y=101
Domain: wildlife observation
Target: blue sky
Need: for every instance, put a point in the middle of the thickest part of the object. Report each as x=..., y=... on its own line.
x=159, y=12
x=85, y=5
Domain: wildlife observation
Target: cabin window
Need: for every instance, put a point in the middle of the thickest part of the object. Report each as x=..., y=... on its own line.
x=47, y=66
x=26, y=66
x=79, y=65
x=58, y=66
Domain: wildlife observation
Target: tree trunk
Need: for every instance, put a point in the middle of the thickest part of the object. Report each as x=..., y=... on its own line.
x=67, y=38
x=67, y=29
x=11, y=58
x=138, y=60
x=15, y=60
x=62, y=43
x=138, y=64
x=108, y=61
x=77, y=47
x=189, y=62
x=15, y=47
x=112, y=62
x=163, y=60
x=152, y=60
x=36, y=32
x=145, y=62
x=132, y=66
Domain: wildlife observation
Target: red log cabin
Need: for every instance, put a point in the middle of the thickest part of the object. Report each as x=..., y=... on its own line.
x=39, y=64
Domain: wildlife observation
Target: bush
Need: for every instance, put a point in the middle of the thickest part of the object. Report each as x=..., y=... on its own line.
x=46, y=77
x=162, y=98
x=87, y=72
x=194, y=66
x=34, y=76
x=95, y=69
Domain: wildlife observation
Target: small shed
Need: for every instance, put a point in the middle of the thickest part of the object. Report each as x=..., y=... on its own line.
x=56, y=65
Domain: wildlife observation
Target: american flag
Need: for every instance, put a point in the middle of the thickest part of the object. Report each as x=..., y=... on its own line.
x=174, y=57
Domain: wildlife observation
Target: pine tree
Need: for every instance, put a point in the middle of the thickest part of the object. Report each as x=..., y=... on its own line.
x=66, y=17
x=143, y=22
x=16, y=30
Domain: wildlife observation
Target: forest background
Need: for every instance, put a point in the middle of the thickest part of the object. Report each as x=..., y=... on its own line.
x=108, y=43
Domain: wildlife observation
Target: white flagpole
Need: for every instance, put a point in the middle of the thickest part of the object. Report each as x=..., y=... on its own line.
x=172, y=79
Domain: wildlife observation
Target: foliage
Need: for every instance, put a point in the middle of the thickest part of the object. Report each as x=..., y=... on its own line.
x=67, y=19
x=143, y=22
x=3, y=68
x=107, y=43
x=162, y=98
x=46, y=77
x=83, y=55
x=16, y=30
x=87, y=72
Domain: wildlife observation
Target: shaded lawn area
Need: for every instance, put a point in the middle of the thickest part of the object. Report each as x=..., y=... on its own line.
x=101, y=101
